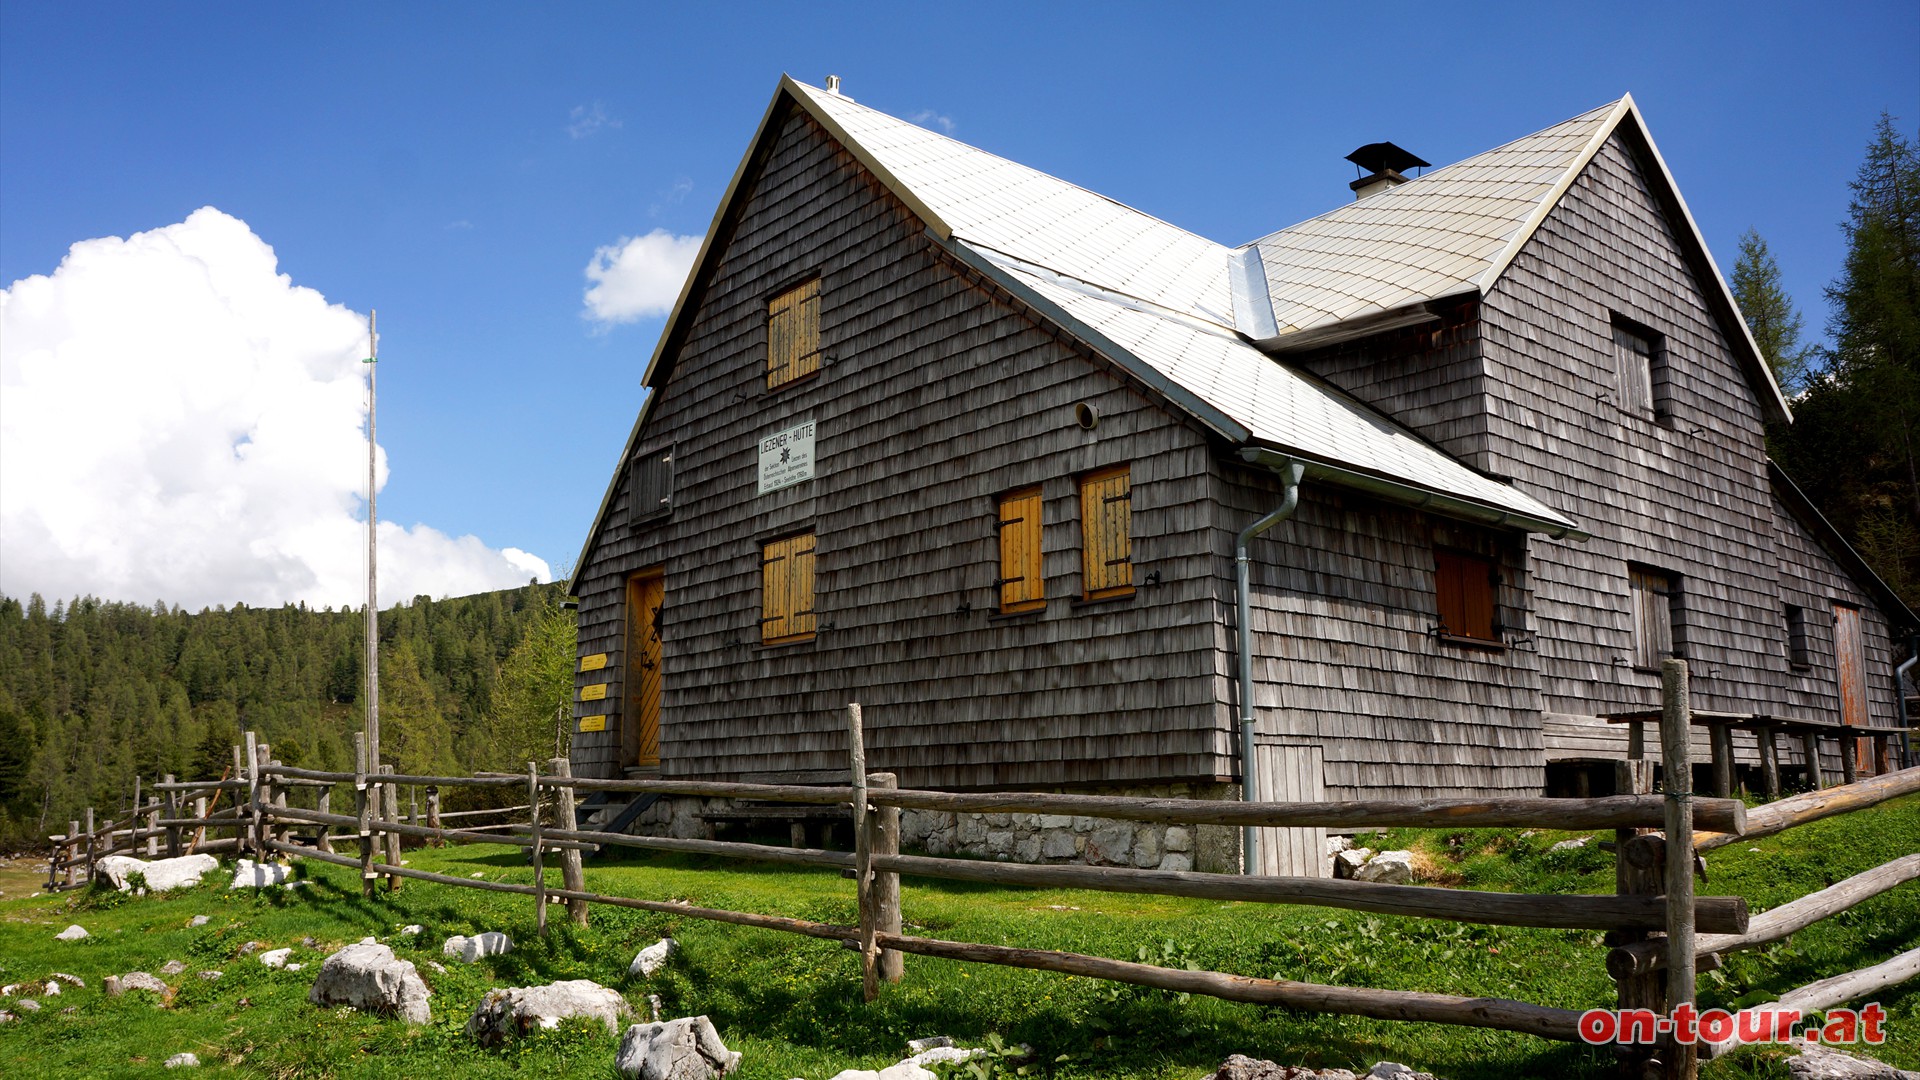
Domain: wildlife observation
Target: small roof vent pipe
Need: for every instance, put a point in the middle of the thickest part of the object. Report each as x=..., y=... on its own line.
x=1383, y=162
x=833, y=85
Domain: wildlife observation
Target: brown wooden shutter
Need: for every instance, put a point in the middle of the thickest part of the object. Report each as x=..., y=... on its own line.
x=1106, y=533
x=1464, y=588
x=1652, y=616
x=1022, y=587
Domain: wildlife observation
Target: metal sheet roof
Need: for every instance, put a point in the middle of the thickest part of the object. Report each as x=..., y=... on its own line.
x=1450, y=231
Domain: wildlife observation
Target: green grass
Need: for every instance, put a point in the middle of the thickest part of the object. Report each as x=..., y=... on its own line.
x=792, y=1005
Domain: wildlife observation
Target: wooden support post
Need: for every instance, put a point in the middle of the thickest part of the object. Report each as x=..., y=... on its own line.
x=199, y=813
x=1849, y=758
x=1810, y=746
x=153, y=826
x=1636, y=740
x=239, y=802
x=133, y=820
x=1720, y=738
x=1882, y=761
x=89, y=821
x=433, y=813
x=324, y=804
x=172, y=807
x=251, y=774
x=363, y=807
x=390, y=811
x=73, y=848
x=1769, y=760
x=1680, y=1061
x=884, y=894
x=539, y=859
x=570, y=871
x=863, y=854
x=1638, y=858
x=413, y=805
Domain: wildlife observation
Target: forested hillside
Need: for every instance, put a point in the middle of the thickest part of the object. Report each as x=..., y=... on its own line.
x=93, y=692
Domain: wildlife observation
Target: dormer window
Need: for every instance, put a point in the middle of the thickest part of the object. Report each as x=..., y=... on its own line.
x=1640, y=364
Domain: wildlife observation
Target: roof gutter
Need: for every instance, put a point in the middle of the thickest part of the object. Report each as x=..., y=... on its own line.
x=1290, y=472
x=1418, y=497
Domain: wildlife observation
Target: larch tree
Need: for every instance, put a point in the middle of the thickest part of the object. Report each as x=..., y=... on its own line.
x=1769, y=311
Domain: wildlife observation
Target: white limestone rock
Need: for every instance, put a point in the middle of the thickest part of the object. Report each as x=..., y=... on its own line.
x=412, y=930
x=185, y=1060
x=199, y=920
x=172, y=967
x=1348, y=863
x=684, y=1049
x=653, y=957
x=1575, y=844
x=469, y=950
x=370, y=978
x=248, y=874
x=159, y=875
x=1387, y=868
x=276, y=958
x=135, y=980
x=522, y=1009
x=71, y=933
x=71, y=980
x=1816, y=1062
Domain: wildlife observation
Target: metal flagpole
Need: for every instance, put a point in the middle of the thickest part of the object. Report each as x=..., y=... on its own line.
x=373, y=574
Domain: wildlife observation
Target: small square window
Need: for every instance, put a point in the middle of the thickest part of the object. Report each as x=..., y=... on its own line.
x=786, y=590
x=650, y=484
x=1657, y=618
x=1022, y=588
x=1106, y=533
x=793, y=334
x=1640, y=359
x=1464, y=586
x=1799, y=654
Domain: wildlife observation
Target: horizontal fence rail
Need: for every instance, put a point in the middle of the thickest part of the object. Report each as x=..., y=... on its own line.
x=1651, y=919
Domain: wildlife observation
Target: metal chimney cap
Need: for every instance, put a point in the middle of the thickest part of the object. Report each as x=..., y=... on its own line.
x=1384, y=157
x=833, y=85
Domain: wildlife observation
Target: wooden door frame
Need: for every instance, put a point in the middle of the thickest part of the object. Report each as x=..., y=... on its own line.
x=1850, y=681
x=633, y=737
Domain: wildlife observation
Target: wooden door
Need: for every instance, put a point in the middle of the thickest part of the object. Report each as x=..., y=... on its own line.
x=1850, y=661
x=640, y=720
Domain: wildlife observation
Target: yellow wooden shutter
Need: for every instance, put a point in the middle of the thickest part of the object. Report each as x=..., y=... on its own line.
x=1022, y=587
x=793, y=334
x=1106, y=527
x=786, y=590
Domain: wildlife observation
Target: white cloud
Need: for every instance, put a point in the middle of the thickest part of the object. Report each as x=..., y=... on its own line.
x=586, y=120
x=929, y=119
x=180, y=422
x=638, y=276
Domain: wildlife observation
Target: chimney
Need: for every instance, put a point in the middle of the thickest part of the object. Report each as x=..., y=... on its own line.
x=833, y=85
x=1383, y=162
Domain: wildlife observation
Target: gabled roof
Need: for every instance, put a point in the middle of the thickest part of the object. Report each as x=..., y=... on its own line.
x=1455, y=230
x=1804, y=511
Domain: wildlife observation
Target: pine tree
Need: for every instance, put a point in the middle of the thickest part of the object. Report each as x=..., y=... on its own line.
x=1769, y=312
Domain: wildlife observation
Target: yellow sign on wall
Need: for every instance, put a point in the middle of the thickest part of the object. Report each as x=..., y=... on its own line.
x=593, y=692
x=593, y=723
x=593, y=663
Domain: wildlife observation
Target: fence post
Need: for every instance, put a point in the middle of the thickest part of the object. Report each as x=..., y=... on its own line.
x=263, y=803
x=390, y=803
x=200, y=813
x=570, y=871
x=862, y=854
x=282, y=827
x=89, y=821
x=433, y=815
x=1638, y=858
x=1676, y=721
x=153, y=826
x=133, y=821
x=539, y=859
x=363, y=808
x=173, y=811
x=884, y=824
x=324, y=841
x=239, y=808
x=73, y=848
x=251, y=763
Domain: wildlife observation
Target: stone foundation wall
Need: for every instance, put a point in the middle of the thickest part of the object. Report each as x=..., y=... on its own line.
x=1027, y=838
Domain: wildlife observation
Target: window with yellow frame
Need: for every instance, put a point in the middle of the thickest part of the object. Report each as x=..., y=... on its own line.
x=786, y=590
x=1022, y=588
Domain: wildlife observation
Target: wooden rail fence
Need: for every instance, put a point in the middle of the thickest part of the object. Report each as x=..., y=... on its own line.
x=1659, y=933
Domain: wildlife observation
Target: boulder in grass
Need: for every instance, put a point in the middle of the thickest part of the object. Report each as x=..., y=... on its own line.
x=183, y=1061
x=684, y=1049
x=248, y=874
x=524, y=1009
x=1387, y=868
x=71, y=980
x=469, y=950
x=1348, y=863
x=276, y=958
x=71, y=933
x=370, y=978
x=172, y=967
x=653, y=957
x=199, y=920
x=159, y=875
x=1816, y=1062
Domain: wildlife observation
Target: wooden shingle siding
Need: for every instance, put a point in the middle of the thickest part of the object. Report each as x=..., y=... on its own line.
x=1689, y=495
x=1345, y=655
x=934, y=397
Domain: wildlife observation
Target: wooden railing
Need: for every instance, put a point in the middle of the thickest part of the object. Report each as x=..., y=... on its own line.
x=1659, y=933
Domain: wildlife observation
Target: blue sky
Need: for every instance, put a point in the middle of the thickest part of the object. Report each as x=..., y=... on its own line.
x=458, y=166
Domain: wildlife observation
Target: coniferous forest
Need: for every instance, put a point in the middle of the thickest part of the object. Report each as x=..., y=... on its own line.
x=94, y=692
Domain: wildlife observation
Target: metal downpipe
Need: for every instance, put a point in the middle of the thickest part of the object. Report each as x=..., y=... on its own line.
x=1290, y=473
x=1900, y=697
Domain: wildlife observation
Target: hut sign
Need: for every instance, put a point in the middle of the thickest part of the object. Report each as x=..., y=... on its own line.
x=786, y=457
